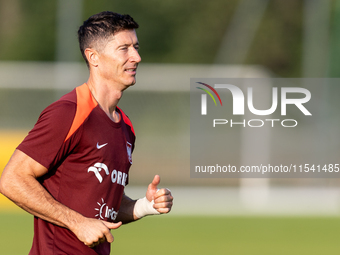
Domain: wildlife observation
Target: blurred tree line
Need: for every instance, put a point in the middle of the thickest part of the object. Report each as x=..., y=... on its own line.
x=171, y=31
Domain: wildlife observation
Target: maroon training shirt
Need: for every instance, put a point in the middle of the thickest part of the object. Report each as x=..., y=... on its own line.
x=88, y=157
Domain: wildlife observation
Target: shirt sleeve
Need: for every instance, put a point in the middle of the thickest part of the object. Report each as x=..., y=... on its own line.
x=45, y=140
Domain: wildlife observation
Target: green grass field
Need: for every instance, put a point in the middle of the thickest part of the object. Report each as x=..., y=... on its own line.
x=200, y=235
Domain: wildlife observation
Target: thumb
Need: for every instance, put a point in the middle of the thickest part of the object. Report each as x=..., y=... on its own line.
x=156, y=180
x=112, y=225
x=152, y=188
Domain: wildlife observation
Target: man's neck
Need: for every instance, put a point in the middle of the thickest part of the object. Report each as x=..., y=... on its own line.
x=107, y=96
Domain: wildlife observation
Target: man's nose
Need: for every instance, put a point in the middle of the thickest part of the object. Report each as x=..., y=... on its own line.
x=135, y=57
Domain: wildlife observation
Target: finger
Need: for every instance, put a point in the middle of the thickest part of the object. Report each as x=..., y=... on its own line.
x=92, y=244
x=162, y=192
x=165, y=198
x=164, y=209
x=156, y=180
x=164, y=205
x=108, y=235
x=96, y=243
x=102, y=240
x=112, y=225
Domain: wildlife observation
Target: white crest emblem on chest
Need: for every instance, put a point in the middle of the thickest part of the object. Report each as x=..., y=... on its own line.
x=129, y=151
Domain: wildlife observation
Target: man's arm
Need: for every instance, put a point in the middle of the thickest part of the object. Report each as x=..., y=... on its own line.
x=125, y=214
x=156, y=201
x=19, y=183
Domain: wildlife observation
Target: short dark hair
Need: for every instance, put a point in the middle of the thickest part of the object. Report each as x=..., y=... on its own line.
x=102, y=26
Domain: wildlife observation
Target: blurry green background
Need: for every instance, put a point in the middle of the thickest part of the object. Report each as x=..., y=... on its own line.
x=189, y=31
x=40, y=61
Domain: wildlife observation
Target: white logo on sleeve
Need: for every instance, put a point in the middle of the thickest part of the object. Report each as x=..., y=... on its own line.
x=101, y=146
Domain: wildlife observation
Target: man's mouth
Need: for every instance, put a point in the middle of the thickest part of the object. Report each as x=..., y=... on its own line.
x=131, y=70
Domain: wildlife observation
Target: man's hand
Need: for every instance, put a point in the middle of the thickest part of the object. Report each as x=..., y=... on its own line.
x=162, y=197
x=156, y=201
x=93, y=232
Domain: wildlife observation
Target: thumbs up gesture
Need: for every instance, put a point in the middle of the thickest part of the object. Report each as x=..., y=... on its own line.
x=162, y=198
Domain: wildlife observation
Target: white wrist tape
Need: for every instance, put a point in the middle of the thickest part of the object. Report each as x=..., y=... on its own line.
x=144, y=207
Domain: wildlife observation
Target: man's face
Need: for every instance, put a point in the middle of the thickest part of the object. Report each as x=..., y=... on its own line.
x=119, y=58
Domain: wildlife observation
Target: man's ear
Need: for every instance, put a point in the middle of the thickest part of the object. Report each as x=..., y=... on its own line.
x=92, y=56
